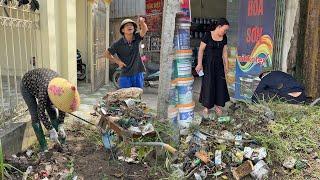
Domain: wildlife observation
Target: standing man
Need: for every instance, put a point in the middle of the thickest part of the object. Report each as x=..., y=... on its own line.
x=127, y=51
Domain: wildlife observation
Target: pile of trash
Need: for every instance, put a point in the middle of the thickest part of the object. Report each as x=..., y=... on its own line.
x=127, y=110
x=203, y=151
x=212, y=155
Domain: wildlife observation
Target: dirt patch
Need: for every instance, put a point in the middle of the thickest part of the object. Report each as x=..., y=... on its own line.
x=92, y=162
x=81, y=157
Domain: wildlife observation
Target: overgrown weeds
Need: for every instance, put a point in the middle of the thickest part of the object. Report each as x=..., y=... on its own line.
x=294, y=130
x=4, y=167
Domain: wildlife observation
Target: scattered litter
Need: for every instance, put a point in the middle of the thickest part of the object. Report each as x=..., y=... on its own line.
x=224, y=119
x=247, y=136
x=44, y=174
x=188, y=138
x=238, y=140
x=130, y=102
x=224, y=177
x=243, y=170
x=260, y=170
x=197, y=176
x=218, y=173
x=210, y=148
x=262, y=153
x=127, y=159
x=218, y=157
x=203, y=173
x=195, y=163
x=184, y=132
x=203, y=156
x=29, y=152
x=257, y=154
x=201, y=136
x=226, y=135
x=238, y=157
x=248, y=151
x=239, y=126
x=27, y=173
x=134, y=129
x=289, y=162
x=147, y=129
x=103, y=110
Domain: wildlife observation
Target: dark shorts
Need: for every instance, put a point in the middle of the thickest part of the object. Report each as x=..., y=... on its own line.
x=131, y=81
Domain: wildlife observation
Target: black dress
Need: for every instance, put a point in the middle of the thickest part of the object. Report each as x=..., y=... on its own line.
x=214, y=89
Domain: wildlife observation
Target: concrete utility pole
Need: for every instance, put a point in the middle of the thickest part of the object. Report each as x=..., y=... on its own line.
x=170, y=9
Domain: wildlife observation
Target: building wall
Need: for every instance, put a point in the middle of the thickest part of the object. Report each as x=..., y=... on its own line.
x=208, y=8
x=127, y=8
x=82, y=34
x=48, y=33
x=68, y=40
x=58, y=34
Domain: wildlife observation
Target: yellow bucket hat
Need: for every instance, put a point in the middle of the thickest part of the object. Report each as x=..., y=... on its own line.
x=63, y=95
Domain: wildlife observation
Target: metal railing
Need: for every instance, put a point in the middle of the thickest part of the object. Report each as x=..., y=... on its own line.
x=19, y=52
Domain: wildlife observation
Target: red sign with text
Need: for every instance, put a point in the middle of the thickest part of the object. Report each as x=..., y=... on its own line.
x=154, y=6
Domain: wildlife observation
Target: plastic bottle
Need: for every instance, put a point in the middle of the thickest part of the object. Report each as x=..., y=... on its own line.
x=238, y=139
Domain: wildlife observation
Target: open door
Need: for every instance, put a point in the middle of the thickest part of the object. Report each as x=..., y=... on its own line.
x=98, y=65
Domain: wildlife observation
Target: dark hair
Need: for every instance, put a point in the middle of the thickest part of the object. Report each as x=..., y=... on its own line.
x=263, y=73
x=219, y=22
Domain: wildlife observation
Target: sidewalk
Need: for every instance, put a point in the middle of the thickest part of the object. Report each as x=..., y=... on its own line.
x=89, y=99
x=149, y=96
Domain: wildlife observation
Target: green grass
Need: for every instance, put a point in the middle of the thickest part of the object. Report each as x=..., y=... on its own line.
x=296, y=128
x=4, y=167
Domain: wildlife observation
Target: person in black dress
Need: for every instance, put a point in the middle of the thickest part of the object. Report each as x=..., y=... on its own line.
x=213, y=60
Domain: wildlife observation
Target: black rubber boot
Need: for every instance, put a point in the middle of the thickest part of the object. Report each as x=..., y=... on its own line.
x=40, y=136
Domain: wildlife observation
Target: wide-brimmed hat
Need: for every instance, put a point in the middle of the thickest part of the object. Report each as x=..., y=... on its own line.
x=126, y=21
x=63, y=95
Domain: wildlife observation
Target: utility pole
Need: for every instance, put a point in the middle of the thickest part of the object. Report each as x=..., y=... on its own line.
x=170, y=9
x=311, y=62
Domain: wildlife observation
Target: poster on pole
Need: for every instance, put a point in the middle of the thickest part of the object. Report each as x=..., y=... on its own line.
x=254, y=50
x=154, y=6
x=154, y=15
x=185, y=10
